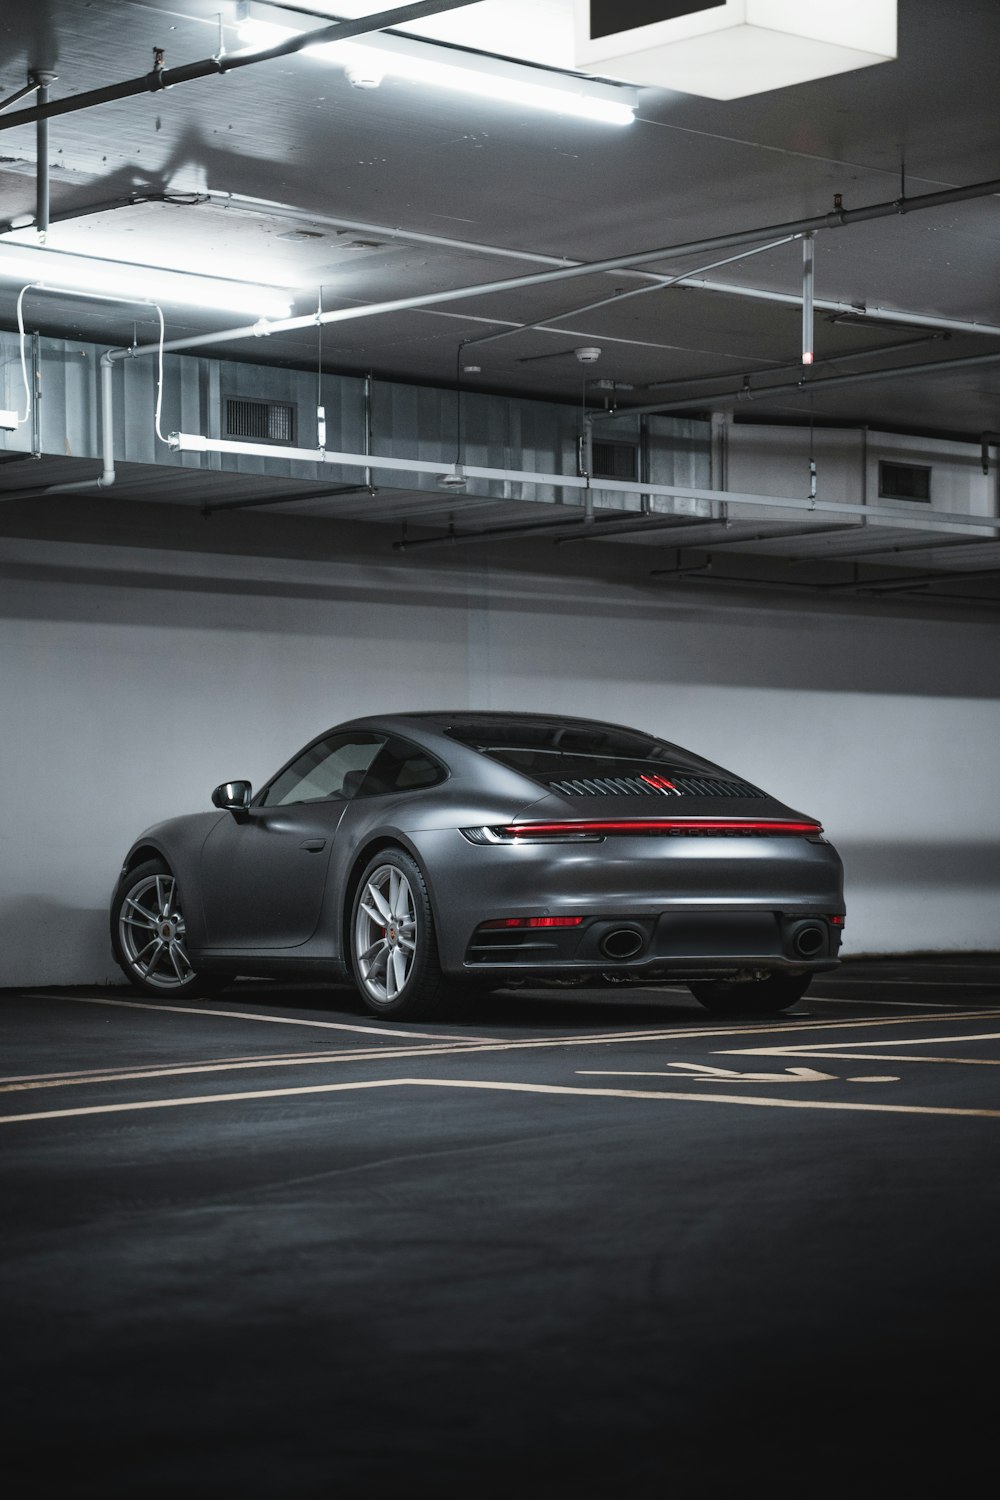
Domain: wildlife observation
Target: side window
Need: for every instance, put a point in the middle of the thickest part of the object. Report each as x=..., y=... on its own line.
x=401, y=767
x=333, y=767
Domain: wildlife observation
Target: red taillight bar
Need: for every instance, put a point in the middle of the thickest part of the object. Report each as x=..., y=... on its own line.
x=667, y=825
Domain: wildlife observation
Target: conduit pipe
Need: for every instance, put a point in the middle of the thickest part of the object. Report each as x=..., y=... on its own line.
x=744, y=393
x=837, y=219
x=41, y=82
x=165, y=78
x=190, y=442
x=860, y=310
x=107, y=475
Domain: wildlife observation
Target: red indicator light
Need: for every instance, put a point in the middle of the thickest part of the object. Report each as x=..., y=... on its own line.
x=659, y=782
x=532, y=922
x=836, y=921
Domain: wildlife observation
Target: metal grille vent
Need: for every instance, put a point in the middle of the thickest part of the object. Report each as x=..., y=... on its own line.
x=633, y=786
x=903, y=481
x=260, y=421
x=615, y=461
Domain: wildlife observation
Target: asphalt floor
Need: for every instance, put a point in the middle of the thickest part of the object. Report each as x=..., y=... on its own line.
x=581, y=1243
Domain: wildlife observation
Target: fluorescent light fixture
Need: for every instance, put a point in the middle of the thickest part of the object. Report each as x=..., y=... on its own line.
x=78, y=273
x=726, y=49
x=382, y=56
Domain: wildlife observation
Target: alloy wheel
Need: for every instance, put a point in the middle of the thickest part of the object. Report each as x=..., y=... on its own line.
x=385, y=934
x=151, y=932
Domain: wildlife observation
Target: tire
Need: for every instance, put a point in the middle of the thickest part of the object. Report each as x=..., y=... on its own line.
x=393, y=950
x=751, y=997
x=147, y=935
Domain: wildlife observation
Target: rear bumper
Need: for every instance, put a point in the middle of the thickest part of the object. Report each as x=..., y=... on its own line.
x=688, y=944
x=698, y=906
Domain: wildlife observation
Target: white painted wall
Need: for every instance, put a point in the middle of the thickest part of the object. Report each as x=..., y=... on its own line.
x=134, y=680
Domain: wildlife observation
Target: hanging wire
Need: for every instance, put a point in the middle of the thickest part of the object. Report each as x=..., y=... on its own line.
x=61, y=291
x=458, y=401
x=320, y=408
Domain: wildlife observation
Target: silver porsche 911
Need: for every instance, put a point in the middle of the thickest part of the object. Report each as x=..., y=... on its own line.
x=429, y=856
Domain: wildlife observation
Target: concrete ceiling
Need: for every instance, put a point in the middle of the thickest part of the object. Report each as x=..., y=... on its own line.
x=401, y=191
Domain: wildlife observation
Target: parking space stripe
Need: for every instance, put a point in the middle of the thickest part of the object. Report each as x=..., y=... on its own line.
x=554, y=1090
x=240, y=1015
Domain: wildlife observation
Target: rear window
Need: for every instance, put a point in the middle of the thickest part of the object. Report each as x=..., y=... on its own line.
x=401, y=767
x=583, y=758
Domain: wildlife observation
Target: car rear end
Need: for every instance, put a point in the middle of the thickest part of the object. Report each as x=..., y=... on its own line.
x=638, y=862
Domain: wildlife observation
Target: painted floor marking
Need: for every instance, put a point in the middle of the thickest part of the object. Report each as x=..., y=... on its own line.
x=705, y=1074
x=559, y=1090
x=752, y=1029
x=903, y=1057
x=239, y=1015
x=965, y=984
x=895, y=1004
x=913, y=1041
x=442, y=1048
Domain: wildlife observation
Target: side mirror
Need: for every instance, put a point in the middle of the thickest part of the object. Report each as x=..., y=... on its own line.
x=234, y=796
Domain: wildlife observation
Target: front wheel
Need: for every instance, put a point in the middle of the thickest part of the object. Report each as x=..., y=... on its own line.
x=393, y=949
x=751, y=997
x=148, y=934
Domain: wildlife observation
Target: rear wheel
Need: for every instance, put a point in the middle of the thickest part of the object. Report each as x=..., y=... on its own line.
x=148, y=935
x=393, y=948
x=754, y=997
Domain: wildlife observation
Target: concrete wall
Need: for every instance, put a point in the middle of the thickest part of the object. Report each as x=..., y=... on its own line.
x=134, y=678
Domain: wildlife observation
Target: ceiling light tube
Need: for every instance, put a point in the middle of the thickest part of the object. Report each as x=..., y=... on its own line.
x=151, y=283
x=502, y=79
x=489, y=78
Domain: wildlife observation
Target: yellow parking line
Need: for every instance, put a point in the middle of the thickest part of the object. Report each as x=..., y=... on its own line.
x=913, y=1041
x=240, y=1015
x=517, y=1088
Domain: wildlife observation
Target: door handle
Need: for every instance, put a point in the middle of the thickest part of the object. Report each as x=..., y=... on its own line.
x=313, y=845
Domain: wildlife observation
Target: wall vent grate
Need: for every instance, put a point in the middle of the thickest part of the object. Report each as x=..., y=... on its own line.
x=615, y=461
x=259, y=421
x=903, y=481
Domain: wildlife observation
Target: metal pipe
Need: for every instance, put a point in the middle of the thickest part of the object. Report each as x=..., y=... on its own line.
x=189, y=442
x=42, y=81
x=107, y=475
x=655, y=521
x=165, y=78
x=861, y=311
x=242, y=202
x=325, y=494
x=871, y=351
x=744, y=393
x=673, y=523
x=835, y=220
x=660, y=284
x=495, y=533
x=876, y=548
x=986, y=439
x=29, y=88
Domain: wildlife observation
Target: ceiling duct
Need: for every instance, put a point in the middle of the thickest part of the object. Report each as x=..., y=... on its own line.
x=726, y=49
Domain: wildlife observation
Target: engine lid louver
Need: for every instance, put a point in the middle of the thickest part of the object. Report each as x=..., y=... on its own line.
x=635, y=786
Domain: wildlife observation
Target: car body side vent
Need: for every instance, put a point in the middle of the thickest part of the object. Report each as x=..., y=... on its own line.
x=259, y=421
x=615, y=461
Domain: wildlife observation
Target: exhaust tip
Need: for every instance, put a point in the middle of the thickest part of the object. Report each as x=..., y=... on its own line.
x=809, y=940
x=622, y=942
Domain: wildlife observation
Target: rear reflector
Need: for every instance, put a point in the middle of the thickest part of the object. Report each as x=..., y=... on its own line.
x=531, y=922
